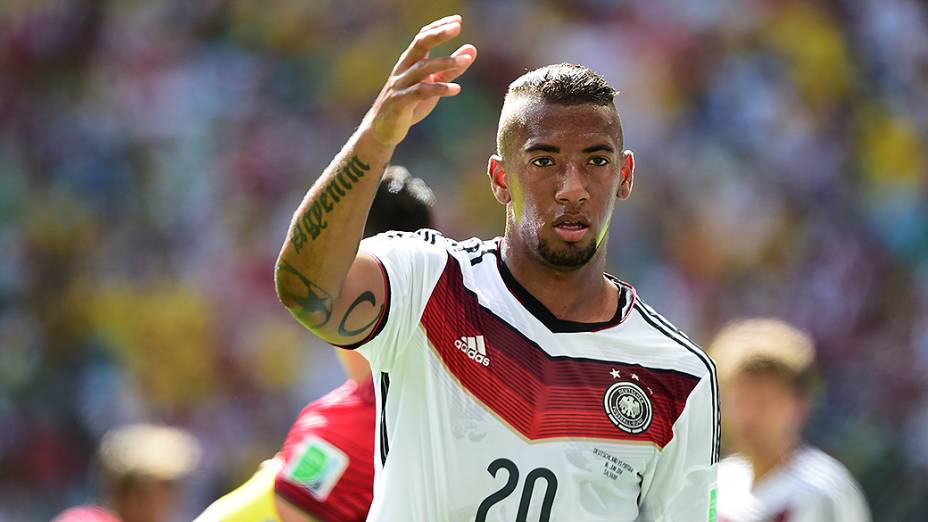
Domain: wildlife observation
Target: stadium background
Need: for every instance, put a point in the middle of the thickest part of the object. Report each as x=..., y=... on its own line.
x=151, y=154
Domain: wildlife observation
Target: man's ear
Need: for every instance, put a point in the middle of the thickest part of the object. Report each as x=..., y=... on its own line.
x=498, y=182
x=627, y=172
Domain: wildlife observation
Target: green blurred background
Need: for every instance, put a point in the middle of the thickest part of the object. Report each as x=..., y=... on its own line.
x=152, y=152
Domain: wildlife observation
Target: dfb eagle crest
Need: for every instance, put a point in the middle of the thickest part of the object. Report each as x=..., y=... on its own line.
x=628, y=407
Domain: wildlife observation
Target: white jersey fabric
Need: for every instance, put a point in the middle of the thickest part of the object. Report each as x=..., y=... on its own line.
x=810, y=487
x=490, y=408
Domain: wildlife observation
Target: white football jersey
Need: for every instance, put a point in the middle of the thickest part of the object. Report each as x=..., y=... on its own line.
x=490, y=408
x=810, y=487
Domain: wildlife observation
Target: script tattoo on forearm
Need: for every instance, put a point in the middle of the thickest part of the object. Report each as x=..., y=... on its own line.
x=315, y=307
x=313, y=221
x=366, y=297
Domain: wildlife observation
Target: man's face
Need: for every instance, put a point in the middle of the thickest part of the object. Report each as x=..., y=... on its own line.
x=762, y=413
x=563, y=172
x=148, y=500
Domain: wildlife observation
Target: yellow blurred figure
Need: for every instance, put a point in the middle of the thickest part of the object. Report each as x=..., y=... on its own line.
x=253, y=501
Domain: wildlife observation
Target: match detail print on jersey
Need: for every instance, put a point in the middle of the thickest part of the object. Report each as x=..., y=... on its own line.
x=540, y=396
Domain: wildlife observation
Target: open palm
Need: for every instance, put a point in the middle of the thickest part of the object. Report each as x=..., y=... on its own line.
x=418, y=82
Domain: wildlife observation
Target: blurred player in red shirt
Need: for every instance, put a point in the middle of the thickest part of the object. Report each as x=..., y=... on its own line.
x=325, y=469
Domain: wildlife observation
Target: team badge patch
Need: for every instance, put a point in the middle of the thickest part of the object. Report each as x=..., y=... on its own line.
x=628, y=407
x=317, y=465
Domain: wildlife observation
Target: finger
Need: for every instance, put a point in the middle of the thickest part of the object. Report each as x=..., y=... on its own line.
x=425, y=68
x=441, y=21
x=450, y=74
x=421, y=91
x=468, y=49
x=424, y=42
x=437, y=25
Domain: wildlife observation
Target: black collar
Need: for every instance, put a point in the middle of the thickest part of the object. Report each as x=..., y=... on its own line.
x=553, y=323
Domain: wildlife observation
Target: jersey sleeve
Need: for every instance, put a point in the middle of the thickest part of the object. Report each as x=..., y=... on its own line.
x=412, y=264
x=327, y=459
x=846, y=504
x=851, y=505
x=682, y=485
x=327, y=476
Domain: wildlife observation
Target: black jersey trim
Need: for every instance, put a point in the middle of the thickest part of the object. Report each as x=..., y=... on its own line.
x=384, y=443
x=383, y=318
x=538, y=347
x=671, y=332
x=552, y=322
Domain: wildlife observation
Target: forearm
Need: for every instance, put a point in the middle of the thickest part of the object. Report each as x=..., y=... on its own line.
x=323, y=237
x=318, y=271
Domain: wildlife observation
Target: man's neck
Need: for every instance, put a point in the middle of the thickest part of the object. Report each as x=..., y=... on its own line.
x=582, y=295
x=764, y=464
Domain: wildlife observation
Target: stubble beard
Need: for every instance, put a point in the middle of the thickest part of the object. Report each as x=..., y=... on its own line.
x=571, y=256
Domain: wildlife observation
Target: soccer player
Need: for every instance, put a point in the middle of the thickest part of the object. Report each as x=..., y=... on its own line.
x=143, y=465
x=765, y=369
x=325, y=469
x=515, y=380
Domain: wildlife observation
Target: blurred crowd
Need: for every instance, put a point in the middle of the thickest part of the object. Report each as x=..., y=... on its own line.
x=152, y=152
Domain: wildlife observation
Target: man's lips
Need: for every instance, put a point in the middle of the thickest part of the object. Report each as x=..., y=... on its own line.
x=571, y=229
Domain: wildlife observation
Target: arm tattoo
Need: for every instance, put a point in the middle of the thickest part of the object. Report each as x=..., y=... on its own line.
x=315, y=308
x=366, y=297
x=313, y=222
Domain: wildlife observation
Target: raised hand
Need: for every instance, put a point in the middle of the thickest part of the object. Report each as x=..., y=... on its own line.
x=418, y=82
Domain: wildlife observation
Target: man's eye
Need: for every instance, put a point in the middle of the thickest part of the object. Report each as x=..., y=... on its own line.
x=599, y=161
x=542, y=162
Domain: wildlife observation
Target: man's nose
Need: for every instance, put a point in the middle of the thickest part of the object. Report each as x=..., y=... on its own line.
x=572, y=188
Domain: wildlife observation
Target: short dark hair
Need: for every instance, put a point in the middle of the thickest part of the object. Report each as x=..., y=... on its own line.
x=402, y=203
x=562, y=84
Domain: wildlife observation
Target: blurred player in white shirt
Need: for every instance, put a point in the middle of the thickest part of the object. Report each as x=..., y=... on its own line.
x=765, y=371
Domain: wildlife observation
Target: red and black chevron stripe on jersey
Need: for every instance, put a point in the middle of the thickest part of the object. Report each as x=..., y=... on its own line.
x=539, y=395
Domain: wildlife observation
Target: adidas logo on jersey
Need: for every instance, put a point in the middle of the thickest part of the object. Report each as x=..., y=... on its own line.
x=475, y=348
